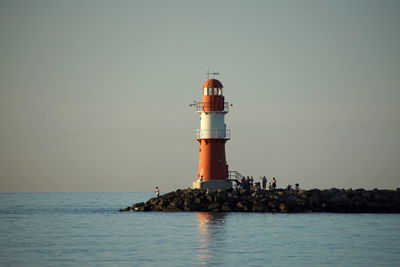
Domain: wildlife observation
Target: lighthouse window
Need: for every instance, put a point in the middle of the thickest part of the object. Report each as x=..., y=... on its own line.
x=209, y=91
x=205, y=91
x=219, y=91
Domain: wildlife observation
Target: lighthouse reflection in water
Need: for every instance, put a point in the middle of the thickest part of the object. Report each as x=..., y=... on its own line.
x=211, y=227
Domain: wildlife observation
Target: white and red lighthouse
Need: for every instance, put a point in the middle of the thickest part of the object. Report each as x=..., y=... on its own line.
x=212, y=136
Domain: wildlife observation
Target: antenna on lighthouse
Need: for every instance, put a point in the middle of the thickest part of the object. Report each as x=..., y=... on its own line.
x=211, y=73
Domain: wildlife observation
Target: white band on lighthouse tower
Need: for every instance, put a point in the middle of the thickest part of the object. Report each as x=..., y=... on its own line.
x=212, y=125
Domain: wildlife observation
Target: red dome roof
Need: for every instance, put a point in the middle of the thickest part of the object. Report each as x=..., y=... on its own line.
x=213, y=83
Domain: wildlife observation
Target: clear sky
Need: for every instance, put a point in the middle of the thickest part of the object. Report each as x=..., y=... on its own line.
x=94, y=95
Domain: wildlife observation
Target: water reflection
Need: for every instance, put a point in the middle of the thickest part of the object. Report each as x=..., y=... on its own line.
x=211, y=237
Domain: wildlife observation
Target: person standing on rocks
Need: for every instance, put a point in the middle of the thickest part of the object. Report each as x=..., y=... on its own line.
x=289, y=188
x=157, y=192
x=297, y=188
x=273, y=183
x=242, y=182
x=264, y=182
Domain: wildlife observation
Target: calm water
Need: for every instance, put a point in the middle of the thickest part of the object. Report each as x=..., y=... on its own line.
x=70, y=229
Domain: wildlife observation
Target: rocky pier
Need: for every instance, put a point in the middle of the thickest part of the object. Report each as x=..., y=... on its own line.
x=278, y=200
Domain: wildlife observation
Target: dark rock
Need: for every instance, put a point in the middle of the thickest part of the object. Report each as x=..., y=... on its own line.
x=244, y=205
x=235, y=193
x=210, y=195
x=240, y=205
x=215, y=206
x=172, y=208
x=338, y=203
x=283, y=207
x=259, y=206
x=258, y=194
x=125, y=209
x=138, y=206
x=177, y=202
x=291, y=204
x=376, y=207
x=158, y=208
x=154, y=201
x=357, y=204
x=198, y=194
x=314, y=203
x=226, y=207
x=395, y=197
x=381, y=198
x=147, y=207
x=170, y=195
x=200, y=200
x=314, y=191
x=233, y=200
x=273, y=205
x=244, y=192
x=222, y=196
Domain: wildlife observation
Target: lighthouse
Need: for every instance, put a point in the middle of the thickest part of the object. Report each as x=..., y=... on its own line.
x=213, y=169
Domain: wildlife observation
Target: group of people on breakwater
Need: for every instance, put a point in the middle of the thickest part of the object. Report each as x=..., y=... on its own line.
x=248, y=183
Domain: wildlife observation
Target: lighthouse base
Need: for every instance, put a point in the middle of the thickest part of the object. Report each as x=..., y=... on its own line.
x=212, y=184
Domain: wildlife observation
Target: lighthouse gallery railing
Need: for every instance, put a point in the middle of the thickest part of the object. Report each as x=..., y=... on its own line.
x=200, y=106
x=215, y=133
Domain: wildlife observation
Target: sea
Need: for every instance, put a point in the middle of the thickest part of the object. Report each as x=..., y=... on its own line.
x=86, y=229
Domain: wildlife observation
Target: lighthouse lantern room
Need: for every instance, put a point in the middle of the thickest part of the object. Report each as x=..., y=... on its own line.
x=212, y=136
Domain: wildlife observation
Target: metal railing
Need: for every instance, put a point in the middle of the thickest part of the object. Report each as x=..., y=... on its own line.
x=235, y=175
x=201, y=106
x=213, y=133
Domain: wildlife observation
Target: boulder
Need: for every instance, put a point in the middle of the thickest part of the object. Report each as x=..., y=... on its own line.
x=283, y=207
x=172, y=208
x=338, y=203
x=158, y=207
x=178, y=203
x=125, y=209
x=244, y=205
x=259, y=206
x=213, y=206
x=273, y=205
x=291, y=203
x=357, y=204
x=201, y=200
x=226, y=207
x=381, y=198
x=170, y=195
x=314, y=203
x=210, y=195
x=221, y=196
x=244, y=192
x=376, y=207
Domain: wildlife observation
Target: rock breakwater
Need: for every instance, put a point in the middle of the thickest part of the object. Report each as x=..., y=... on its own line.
x=279, y=200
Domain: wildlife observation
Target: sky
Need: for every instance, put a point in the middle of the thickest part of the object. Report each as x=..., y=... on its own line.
x=94, y=95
